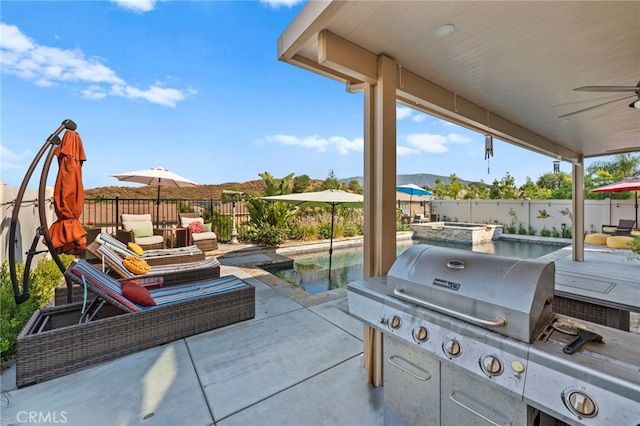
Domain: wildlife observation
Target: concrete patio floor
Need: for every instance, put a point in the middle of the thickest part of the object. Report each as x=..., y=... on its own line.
x=298, y=362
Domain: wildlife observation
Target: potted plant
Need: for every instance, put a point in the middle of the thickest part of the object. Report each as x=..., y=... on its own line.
x=92, y=231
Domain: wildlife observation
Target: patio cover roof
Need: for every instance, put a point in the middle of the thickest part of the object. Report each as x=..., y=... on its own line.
x=509, y=70
x=509, y=67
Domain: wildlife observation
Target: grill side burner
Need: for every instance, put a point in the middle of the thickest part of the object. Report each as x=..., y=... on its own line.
x=448, y=360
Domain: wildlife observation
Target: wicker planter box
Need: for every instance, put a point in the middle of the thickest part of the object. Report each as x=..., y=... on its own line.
x=53, y=343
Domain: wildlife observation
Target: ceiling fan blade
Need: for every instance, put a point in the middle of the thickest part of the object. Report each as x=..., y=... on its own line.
x=595, y=106
x=607, y=89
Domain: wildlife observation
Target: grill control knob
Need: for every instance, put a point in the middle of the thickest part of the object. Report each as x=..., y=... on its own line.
x=395, y=322
x=582, y=404
x=421, y=334
x=491, y=365
x=452, y=347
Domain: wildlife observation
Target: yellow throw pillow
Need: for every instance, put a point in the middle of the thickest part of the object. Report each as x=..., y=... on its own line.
x=136, y=265
x=135, y=248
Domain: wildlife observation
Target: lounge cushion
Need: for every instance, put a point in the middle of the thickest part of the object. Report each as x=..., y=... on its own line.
x=137, y=294
x=620, y=242
x=598, y=239
x=201, y=236
x=186, y=221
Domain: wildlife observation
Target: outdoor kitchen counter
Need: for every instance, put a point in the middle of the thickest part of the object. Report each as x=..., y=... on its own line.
x=607, y=279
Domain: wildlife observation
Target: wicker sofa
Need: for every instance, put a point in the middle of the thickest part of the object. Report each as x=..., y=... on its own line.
x=206, y=241
x=59, y=340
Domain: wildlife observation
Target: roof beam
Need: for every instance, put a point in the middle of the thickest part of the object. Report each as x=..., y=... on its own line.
x=347, y=58
x=424, y=95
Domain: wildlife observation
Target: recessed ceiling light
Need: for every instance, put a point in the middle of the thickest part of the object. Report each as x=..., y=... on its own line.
x=445, y=30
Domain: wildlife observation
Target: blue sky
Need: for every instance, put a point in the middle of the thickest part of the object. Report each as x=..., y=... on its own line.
x=196, y=87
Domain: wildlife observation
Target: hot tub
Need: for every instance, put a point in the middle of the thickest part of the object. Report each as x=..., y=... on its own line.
x=469, y=233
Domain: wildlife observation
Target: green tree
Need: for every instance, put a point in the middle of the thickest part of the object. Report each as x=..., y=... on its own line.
x=274, y=186
x=301, y=183
x=354, y=186
x=604, y=172
x=454, y=190
x=504, y=188
x=331, y=182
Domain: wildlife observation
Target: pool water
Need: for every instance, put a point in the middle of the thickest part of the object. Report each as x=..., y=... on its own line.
x=311, y=270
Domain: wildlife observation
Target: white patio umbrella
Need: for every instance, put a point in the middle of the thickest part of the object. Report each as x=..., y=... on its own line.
x=329, y=198
x=157, y=176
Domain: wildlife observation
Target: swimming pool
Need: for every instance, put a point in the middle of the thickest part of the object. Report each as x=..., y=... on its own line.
x=311, y=270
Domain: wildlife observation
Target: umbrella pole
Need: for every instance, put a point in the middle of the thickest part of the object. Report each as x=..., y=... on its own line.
x=636, y=206
x=333, y=207
x=158, y=209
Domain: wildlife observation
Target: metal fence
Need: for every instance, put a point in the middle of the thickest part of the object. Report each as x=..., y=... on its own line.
x=106, y=213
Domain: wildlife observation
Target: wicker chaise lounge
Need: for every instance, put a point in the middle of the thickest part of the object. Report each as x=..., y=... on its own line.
x=155, y=257
x=60, y=340
x=171, y=274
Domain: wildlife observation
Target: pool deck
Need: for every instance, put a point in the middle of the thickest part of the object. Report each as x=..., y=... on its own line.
x=298, y=362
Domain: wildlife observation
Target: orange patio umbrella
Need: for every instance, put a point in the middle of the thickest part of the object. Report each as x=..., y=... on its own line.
x=67, y=234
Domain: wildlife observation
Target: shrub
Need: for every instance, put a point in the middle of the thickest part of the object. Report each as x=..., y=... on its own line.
x=42, y=283
x=521, y=229
x=545, y=232
x=268, y=235
x=531, y=231
x=350, y=229
x=555, y=233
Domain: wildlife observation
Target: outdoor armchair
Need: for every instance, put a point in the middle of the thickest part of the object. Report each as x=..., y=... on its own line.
x=138, y=228
x=624, y=227
x=206, y=240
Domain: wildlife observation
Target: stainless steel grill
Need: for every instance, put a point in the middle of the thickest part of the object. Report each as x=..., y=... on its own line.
x=471, y=338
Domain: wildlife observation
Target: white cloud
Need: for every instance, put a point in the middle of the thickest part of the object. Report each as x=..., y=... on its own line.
x=456, y=138
x=402, y=151
x=435, y=144
x=136, y=5
x=342, y=145
x=48, y=66
x=275, y=4
x=403, y=112
x=419, y=118
x=10, y=160
x=428, y=143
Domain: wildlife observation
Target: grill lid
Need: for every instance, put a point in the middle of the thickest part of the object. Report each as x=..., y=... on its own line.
x=509, y=296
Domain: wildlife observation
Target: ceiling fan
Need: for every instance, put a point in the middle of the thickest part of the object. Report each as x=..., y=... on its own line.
x=611, y=89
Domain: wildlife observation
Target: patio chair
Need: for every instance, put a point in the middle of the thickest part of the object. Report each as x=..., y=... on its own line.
x=154, y=257
x=205, y=240
x=624, y=227
x=62, y=339
x=138, y=228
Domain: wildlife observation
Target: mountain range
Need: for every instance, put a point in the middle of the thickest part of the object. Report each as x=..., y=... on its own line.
x=250, y=187
x=420, y=179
